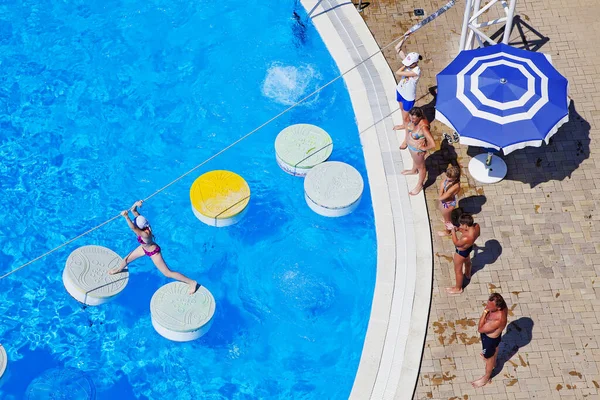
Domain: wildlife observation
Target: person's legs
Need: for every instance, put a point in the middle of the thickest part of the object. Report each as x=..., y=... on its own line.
x=490, y=363
x=404, y=144
x=134, y=255
x=414, y=169
x=404, y=114
x=405, y=107
x=468, y=266
x=162, y=267
x=420, y=166
x=446, y=212
x=458, y=273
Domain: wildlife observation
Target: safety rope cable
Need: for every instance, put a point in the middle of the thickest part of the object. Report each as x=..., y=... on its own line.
x=205, y=161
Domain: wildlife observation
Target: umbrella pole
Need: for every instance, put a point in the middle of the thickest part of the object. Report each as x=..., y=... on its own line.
x=488, y=160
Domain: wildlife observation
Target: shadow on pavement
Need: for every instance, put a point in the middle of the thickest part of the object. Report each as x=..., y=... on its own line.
x=518, y=335
x=567, y=149
x=485, y=255
x=472, y=204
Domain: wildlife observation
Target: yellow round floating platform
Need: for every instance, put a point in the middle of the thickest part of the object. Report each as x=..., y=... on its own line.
x=219, y=198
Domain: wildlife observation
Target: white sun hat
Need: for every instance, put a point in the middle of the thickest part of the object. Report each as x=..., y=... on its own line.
x=411, y=58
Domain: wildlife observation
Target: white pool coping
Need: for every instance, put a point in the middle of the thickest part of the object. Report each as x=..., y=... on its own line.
x=395, y=338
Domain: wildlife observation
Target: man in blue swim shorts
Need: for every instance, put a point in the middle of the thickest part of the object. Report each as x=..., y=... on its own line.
x=491, y=324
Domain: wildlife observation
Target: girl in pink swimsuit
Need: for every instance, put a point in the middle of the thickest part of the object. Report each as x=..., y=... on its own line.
x=140, y=226
x=448, y=193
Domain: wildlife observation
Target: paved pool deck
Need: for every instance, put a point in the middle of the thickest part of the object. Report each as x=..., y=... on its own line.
x=540, y=241
x=540, y=237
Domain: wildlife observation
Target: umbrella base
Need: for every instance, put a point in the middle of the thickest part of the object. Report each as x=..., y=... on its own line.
x=483, y=173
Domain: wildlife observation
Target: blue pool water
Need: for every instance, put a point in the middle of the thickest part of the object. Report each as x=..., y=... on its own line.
x=104, y=102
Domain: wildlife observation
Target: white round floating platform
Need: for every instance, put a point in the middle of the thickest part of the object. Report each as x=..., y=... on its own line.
x=333, y=189
x=483, y=173
x=300, y=147
x=86, y=275
x=3, y=360
x=219, y=198
x=180, y=316
x=61, y=383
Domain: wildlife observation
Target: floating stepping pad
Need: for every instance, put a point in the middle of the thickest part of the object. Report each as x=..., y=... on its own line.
x=61, y=383
x=219, y=198
x=3, y=360
x=300, y=147
x=180, y=316
x=333, y=189
x=86, y=275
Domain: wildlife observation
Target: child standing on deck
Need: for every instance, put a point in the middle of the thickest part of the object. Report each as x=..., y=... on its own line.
x=448, y=195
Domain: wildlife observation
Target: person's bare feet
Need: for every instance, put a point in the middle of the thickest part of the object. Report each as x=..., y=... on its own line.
x=481, y=382
x=116, y=270
x=409, y=172
x=416, y=190
x=193, y=287
x=453, y=290
x=443, y=233
x=399, y=127
x=403, y=146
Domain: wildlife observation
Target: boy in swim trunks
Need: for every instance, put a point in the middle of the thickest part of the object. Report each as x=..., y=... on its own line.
x=491, y=324
x=462, y=256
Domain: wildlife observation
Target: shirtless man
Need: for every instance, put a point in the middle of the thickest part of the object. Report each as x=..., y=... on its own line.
x=470, y=232
x=491, y=324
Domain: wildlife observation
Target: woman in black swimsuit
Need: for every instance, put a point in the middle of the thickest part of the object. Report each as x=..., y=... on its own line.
x=140, y=226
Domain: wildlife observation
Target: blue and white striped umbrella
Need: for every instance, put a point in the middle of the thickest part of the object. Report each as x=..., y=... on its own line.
x=502, y=97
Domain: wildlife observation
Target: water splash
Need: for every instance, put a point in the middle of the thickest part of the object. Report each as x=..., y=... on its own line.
x=288, y=84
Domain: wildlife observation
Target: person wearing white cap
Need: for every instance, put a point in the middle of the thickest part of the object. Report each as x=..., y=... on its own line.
x=406, y=90
x=141, y=227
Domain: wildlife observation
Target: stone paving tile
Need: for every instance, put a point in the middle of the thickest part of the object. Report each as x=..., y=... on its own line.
x=539, y=243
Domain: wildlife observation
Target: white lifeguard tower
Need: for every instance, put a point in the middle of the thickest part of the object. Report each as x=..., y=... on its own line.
x=472, y=27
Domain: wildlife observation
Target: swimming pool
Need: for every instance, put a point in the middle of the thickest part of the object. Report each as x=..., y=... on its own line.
x=102, y=103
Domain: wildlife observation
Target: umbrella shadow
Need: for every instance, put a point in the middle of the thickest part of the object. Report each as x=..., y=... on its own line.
x=567, y=149
x=518, y=335
x=437, y=163
x=531, y=40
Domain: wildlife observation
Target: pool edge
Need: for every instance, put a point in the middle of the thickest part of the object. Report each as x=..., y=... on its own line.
x=395, y=337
